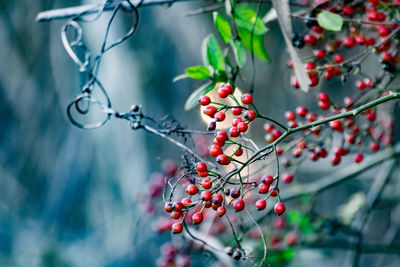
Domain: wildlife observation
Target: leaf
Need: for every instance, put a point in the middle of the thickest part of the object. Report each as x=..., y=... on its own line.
x=245, y=18
x=223, y=27
x=198, y=72
x=229, y=5
x=212, y=54
x=258, y=43
x=180, y=77
x=238, y=51
x=330, y=21
x=193, y=99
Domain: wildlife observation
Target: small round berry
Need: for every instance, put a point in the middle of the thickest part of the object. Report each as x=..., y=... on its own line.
x=192, y=189
x=221, y=136
x=186, y=201
x=361, y=85
x=215, y=150
x=177, y=228
x=168, y=207
x=197, y=218
x=176, y=215
x=236, y=111
x=374, y=146
x=206, y=184
x=235, y=193
x=236, y=121
x=291, y=239
x=221, y=211
x=358, y=157
x=204, y=100
x=279, y=222
x=201, y=167
x=273, y=192
x=310, y=66
x=239, y=152
x=301, y=111
x=210, y=111
x=247, y=99
x=321, y=152
x=217, y=199
x=211, y=126
x=263, y=188
x=313, y=156
x=220, y=116
x=336, y=125
x=371, y=116
x=242, y=126
x=310, y=39
x=221, y=93
x=368, y=82
x=178, y=206
x=234, y=132
x=323, y=97
x=249, y=115
x=311, y=116
x=348, y=101
x=290, y=115
x=206, y=195
x=279, y=151
x=238, y=205
x=319, y=53
x=227, y=89
x=279, y=208
x=349, y=42
x=335, y=160
x=261, y=204
x=337, y=58
x=324, y=105
x=223, y=159
x=268, y=179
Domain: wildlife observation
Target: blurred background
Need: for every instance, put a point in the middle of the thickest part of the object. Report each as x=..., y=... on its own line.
x=68, y=196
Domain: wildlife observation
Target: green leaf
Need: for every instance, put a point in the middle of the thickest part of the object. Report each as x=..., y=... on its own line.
x=223, y=27
x=212, y=54
x=245, y=18
x=330, y=21
x=198, y=72
x=238, y=51
x=258, y=43
x=193, y=99
x=294, y=217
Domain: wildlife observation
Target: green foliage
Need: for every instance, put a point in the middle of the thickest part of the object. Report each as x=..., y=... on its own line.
x=223, y=27
x=280, y=257
x=330, y=21
x=238, y=51
x=212, y=54
x=247, y=19
x=258, y=43
x=198, y=72
x=193, y=99
x=301, y=220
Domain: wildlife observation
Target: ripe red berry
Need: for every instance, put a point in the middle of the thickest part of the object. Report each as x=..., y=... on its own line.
x=336, y=125
x=319, y=53
x=273, y=192
x=263, y=188
x=206, y=195
x=238, y=205
x=210, y=111
x=324, y=105
x=178, y=206
x=269, y=127
x=235, y=193
x=310, y=66
x=349, y=42
x=371, y=116
x=276, y=133
x=203, y=174
x=247, y=99
x=279, y=208
x=204, y=100
x=310, y=39
x=268, y=179
x=279, y=222
x=234, y=132
x=321, y=152
x=301, y=111
x=318, y=29
x=323, y=97
x=360, y=39
x=290, y=115
x=335, y=160
x=192, y=189
x=242, y=127
x=249, y=115
x=223, y=159
x=220, y=116
x=221, y=136
x=313, y=156
x=221, y=93
x=261, y=204
x=236, y=111
x=221, y=211
x=291, y=239
x=197, y=218
x=361, y=85
x=374, y=146
x=176, y=215
x=358, y=157
x=201, y=167
x=206, y=184
x=217, y=199
x=239, y=152
x=227, y=89
x=337, y=58
x=368, y=82
x=177, y=228
x=186, y=201
x=311, y=116
x=215, y=150
x=168, y=207
x=294, y=82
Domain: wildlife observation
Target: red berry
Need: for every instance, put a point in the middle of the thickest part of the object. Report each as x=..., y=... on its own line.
x=310, y=39
x=239, y=152
x=227, y=89
x=349, y=42
x=192, y=189
x=368, y=82
x=336, y=125
x=221, y=136
x=217, y=199
x=290, y=115
x=178, y=206
x=197, y=218
x=236, y=121
x=220, y=116
x=276, y=134
x=234, y=132
x=210, y=111
x=206, y=184
x=204, y=100
x=221, y=211
x=236, y=111
x=371, y=116
x=383, y=30
x=221, y=93
x=279, y=222
x=301, y=111
x=235, y=193
x=323, y=97
x=311, y=116
x=206, y=195
x=335, y=160
x=203, y=174
x=313, y=156
x=287, y=178
x=358, y=157
x=261, y=204
x=223, y=159
x=279, y=151
x=247, y=99
x=177, y=228
x=360, y=39
x=268, y=179
x=215, y=150
x=201, y=167
x=310, y=66
x=238, y=205
x=324, y=105
x=176, y=215
x=348, y=10
x=318, y=29
x=273, y=192
x=387, y=57
x=249, y=115
x=291, y=239
x=168, y=207
x=186, y=201
x=269, y=127
x=337, y=58
x=294, y=82
x=320, y=54
x=360, y=85
x=242, y=127
x=279, y=208
x=348, y=101
x=321, y=152
x=374, y=146
x=263, y=188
